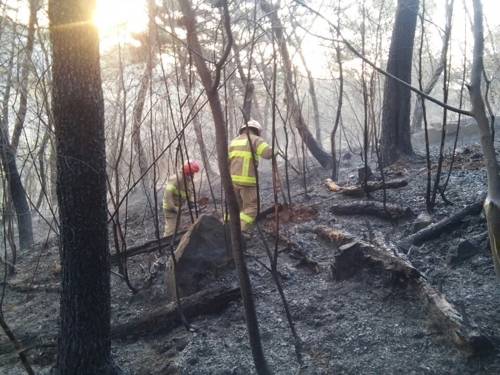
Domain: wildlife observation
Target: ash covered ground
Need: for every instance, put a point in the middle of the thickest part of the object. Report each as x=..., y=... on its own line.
x=366, y=324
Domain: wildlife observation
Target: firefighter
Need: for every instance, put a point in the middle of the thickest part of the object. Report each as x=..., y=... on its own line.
x=241, y=164
x=179, y=188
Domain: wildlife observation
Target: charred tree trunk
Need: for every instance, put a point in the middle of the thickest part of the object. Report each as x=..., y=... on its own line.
x=317, y=151
x=84, y=344
x=41, y=170
x=211, y=86
x=16, y=190
x=338, y=114
x=141, y=99
x=395, y=139
x=8, y=160
x=492, y=202
x=25, y=71
x=196, y=121
x=418, y=112
x=312, y=87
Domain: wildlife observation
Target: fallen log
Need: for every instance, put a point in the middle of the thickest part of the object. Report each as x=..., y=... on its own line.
x=295, y=251
x=147, y=247
x=208, y=301
x=432, y=231
x=304, y=261
x=372, y=208
x=358, y=191
x=163, y=320
x=355, y=253
x=268, y=211
x=459, y=330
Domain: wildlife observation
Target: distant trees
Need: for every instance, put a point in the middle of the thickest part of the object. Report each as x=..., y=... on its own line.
x=395, y=138
x=84, y=345
x=291, y=100
x=418, y=112
x=8, y=146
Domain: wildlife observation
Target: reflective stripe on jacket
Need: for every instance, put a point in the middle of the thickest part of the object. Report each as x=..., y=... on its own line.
x=176, y=191
x=240, y=157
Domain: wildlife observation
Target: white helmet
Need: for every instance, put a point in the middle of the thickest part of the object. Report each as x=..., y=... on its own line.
x=252, y=124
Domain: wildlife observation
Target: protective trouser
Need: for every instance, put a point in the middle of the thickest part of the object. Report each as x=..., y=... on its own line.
x=247, y=200
x=170, y=220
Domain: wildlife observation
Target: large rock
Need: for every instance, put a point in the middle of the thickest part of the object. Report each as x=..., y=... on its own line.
x=465, y=250
x=202, y=255
x=423, y=220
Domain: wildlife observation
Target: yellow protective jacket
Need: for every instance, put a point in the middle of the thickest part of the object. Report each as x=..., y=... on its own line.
x=241, y=161
x=179, y=187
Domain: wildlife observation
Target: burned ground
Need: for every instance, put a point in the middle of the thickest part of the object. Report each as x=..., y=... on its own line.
x=369, y=323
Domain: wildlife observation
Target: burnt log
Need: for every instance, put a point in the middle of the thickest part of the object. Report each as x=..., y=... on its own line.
x=208, y=301
x=371, y=186
x=353, y=254
x=148, y=247
x=372, y=208
x=164, y=320
x=435, y=230
x=457, y=327
x=269, y=211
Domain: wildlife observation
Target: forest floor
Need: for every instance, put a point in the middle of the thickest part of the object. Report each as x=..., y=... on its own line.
x=365, y=324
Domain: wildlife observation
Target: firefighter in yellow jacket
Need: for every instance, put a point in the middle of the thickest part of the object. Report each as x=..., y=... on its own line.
x=179, y=188
x=241, y=164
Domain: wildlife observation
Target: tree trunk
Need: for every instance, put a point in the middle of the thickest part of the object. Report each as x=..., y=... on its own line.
x=84, y=345
x=141, y=98
x=418, y=112
x=41, y=171
x=25, y=71
x=196, y=121
x=317, y=151
x=16, y=190
x=395, y=138
x=492, y=202
x=8, y=160
x=312, y=88
x=338, y=114
x=211, y=86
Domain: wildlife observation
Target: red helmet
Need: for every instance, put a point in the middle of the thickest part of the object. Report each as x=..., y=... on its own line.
x=191, y=167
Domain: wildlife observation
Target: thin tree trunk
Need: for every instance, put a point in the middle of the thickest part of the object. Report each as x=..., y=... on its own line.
x=338, y=114
x=492, y=202
x=141, y=99
x=316, y=149
x=312, y=88
x=41, y=168
x=25, y=72
x=418, y=112
x=8, y=159
x=196, y=121
x=211, y=85
x=16, y=190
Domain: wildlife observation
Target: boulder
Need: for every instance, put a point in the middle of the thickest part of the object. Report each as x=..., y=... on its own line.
x=203, y=254
x=466, y=249
x=423, y=220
